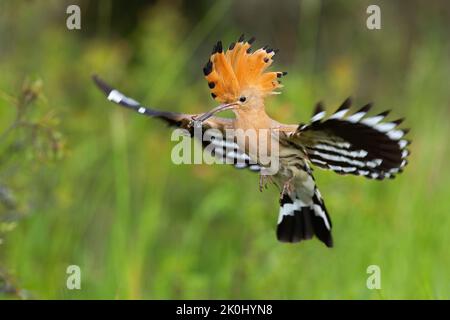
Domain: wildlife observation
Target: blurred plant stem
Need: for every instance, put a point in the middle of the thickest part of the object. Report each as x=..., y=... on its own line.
x=23, y=136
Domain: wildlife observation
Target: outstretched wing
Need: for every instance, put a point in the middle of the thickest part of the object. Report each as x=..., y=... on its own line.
x=355, y=144
x=225, y=150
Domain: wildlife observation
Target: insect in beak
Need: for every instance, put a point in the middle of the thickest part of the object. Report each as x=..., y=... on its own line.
x=220, y=108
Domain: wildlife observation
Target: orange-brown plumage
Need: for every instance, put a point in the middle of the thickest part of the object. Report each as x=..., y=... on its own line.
x=238, y=69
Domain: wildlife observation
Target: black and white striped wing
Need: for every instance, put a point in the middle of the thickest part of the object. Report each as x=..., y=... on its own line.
x=354, y=144
x=226, y=151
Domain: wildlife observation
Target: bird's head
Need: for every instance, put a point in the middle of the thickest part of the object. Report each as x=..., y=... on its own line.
x=238, y=78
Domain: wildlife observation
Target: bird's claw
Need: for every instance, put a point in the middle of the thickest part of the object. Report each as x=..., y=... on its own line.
x=288, y=188
x=263, y=181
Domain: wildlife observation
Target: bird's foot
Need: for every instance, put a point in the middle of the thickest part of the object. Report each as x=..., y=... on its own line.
x=288, y=188
x=263, y=181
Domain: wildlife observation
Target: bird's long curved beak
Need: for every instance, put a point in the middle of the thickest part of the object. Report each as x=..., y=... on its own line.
x=220, y=108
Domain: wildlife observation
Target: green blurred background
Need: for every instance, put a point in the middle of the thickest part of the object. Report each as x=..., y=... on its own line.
x=85, y=182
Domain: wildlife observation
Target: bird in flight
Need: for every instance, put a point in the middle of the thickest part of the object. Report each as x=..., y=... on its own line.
x=344, y=142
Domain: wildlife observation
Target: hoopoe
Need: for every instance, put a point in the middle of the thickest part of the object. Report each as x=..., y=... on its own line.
x=346, y=144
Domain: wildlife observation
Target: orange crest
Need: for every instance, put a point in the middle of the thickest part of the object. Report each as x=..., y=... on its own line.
x=229, y=73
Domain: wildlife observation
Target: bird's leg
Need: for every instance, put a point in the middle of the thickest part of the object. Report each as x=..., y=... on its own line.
x=288, y=188
x=263, y=180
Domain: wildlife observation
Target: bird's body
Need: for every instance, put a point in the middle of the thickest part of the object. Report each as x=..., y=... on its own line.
x=354, y=144
x=298, y=192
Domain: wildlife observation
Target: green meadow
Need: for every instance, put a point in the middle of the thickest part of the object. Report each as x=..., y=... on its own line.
x=84, y=182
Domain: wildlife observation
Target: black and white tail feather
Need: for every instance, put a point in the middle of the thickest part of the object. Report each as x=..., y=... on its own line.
x=355, y=144
x=303, y=215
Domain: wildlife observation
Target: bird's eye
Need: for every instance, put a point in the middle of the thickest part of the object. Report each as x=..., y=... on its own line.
x=242, y=99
